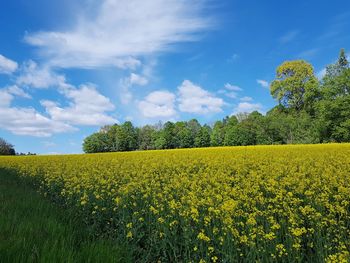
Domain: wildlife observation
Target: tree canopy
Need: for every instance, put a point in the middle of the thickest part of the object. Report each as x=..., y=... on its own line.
x=6, y=148
x=309, y=111
x=295, y=86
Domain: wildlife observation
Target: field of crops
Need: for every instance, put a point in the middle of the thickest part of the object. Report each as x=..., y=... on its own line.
x=232, y=204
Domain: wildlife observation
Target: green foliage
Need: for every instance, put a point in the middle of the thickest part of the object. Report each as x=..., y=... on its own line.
x=146, y=137
x=334, y=119
x=96, y=142
x=333, y=110
x=184, y=137
x=169, y=134
x=32, y=229
x=126, y=137
x=203, y=137
x=309, y=111
x=336, y=69
x=218, y=134
x=295, y=86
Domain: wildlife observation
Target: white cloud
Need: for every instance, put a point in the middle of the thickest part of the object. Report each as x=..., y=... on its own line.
x=86, y=107
x=119, y=31
x=231, y=87
x=127, y=63
x=158, y=104
x=247, y=107
x=27, y=121
x=126, y=83
x=194, y=99
x=125, y=95
x=14, y=90
x=38, y=77
x=232, y=95
x=246, y=99
x=7, y=66
x=136, y=79
x=263, y=83
x=5, y=98
x=230, y=91
x=7, y=95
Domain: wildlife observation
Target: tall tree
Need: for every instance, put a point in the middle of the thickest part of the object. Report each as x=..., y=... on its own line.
x=295, y=86
x=112, y=136
x=183, y=138
x=194, y=126
x=168, y=135
x=96, y=142
x=203, y=137
x=218, y=134
x=343, y=61
x=131, y=135
x=336, y=81
x=231, y=124
x=333, y=110
x=6, y=148
x=146, y=137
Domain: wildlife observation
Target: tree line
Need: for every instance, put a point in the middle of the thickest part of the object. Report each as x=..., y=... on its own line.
x=7, y=148
x=308, y=111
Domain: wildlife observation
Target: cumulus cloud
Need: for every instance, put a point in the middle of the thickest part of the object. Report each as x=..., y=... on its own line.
x=7, y=95
x=34, y=76
x=120, y=31
x=158, y=104
x=262, y=83
x=136, y=79
x=7, y=66
x=126, y=83
x=27, y=121
x=86, y=107
x=194, y=99
x=247, y=107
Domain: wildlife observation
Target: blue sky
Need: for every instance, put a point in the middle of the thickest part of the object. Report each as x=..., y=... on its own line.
x=69, y=67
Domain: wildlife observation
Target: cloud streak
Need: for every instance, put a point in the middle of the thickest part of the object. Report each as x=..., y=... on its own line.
x=7, y=66
x=263, y=83
x=289, y=36
x=120, y=31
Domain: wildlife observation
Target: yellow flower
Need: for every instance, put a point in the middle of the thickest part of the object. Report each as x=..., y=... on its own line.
x=202, y=236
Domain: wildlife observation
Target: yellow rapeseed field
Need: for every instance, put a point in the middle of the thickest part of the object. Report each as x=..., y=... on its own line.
x=229, y=204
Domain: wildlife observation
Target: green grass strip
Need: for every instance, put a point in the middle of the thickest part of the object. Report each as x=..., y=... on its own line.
x=32, y=229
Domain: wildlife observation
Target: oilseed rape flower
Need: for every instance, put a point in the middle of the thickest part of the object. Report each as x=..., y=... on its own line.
x=226, y=204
